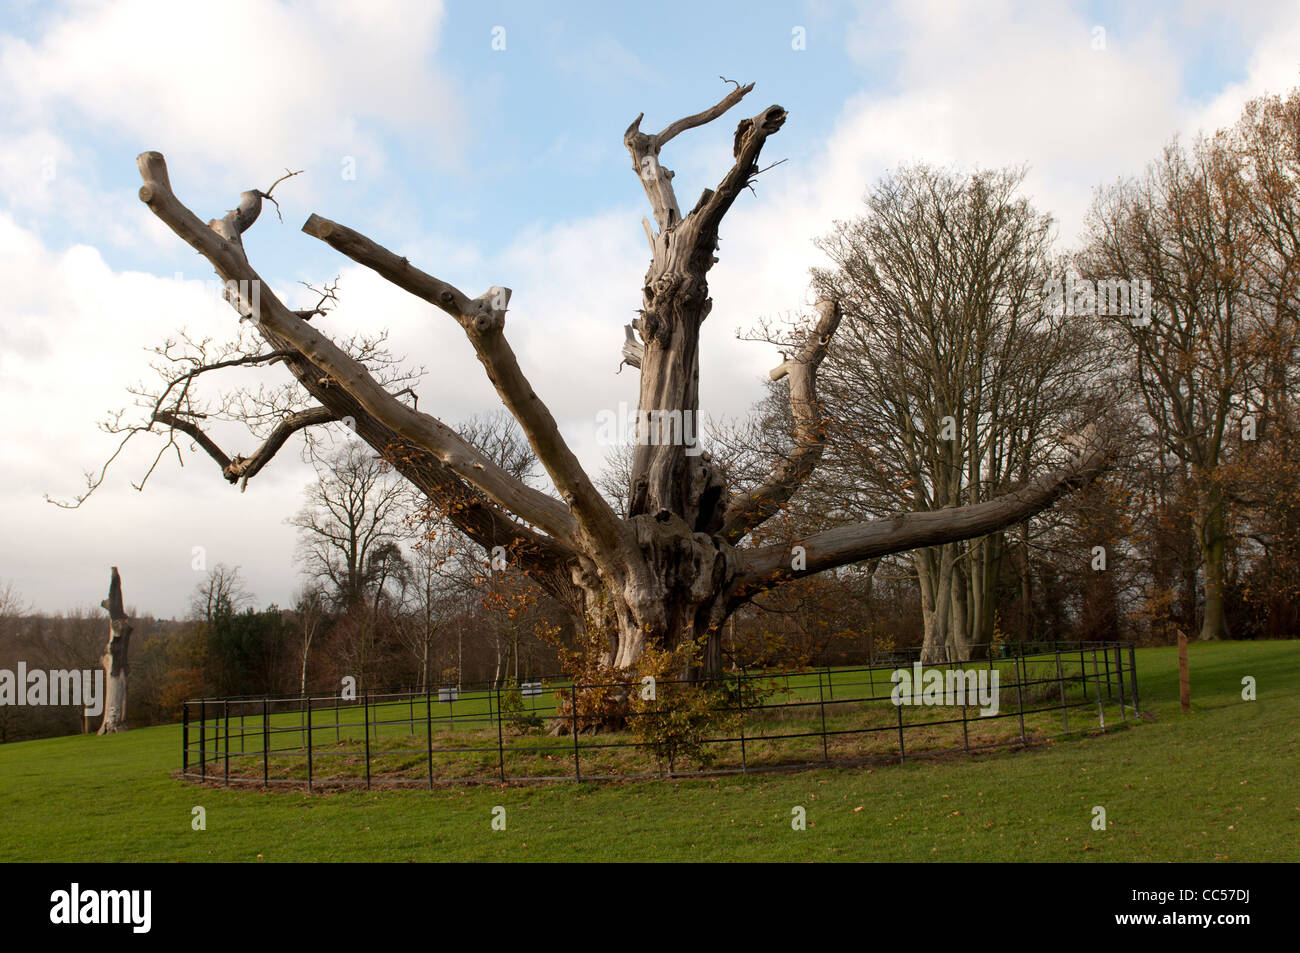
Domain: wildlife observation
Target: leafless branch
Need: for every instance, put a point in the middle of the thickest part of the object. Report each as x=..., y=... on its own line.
x=267, y=193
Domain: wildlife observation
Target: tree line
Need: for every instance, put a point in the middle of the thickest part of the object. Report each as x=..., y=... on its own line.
x=969, y=346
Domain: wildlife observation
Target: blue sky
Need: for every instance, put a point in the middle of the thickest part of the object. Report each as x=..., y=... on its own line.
x=490, y=166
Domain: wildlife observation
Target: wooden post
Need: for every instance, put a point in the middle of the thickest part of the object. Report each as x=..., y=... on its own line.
x=1184, y=680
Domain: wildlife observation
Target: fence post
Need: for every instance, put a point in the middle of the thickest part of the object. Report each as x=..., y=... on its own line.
x=1096, y=684
x=577, y=767
x=365, y=715
x=226, y=705
x=1060, y=681
x=1083, y=670
x=1119, y=671
x=309, y=759
x=501, y=744
x=821, y=700
x=965, y=731
x=428, y=729
x=1184, y=674
x=185, y=739
x=203, y=739
x=740, y=693
x=1105, y=654
x=266, y=744
x=1132, y=667
x=901, y=753
x=1020, y=699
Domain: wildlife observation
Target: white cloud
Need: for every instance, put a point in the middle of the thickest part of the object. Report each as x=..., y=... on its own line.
x=72, y=338
x=1273, y=67
x=251, y=83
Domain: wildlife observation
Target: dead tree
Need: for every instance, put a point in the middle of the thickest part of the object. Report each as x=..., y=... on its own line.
x=114, y=659
x=672, y=570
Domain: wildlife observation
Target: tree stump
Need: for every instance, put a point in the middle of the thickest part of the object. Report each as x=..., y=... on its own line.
x=114, y=659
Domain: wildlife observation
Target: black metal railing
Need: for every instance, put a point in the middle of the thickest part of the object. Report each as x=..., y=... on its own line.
x=550, y=729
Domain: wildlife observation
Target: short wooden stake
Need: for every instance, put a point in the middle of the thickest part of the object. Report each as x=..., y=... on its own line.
x=1184, y=680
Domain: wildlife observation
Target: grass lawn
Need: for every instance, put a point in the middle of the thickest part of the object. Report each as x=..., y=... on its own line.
x=1218, y=784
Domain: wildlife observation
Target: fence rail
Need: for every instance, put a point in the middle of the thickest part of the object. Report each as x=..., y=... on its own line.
x=769, y=721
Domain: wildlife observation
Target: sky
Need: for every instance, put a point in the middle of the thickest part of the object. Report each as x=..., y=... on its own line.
x=484, y=141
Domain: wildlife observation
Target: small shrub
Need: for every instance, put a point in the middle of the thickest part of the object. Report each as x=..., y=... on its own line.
x=676, y=721
x=516, y=713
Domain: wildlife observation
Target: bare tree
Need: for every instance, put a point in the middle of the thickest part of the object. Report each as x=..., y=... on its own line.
x=352, y=509
x=220, y=591
x=950, y=382
x=311, y=609
x=432, y=595
x=12, y=608
x=1186, y=228
x=670, y=572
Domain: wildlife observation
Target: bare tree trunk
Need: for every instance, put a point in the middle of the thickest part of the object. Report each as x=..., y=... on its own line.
x=936, y=647
x=114, y=659
x=1212, y=536
x=309, y=627
x=496, y=668
x=922, y=563
x=986, y=566
x=302, y=684
x=959, y=630
x=424, y=666
x=1026, y=586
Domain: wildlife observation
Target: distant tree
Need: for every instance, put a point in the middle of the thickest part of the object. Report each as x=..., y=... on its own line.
x=352, y=509
x=1265, y=483
x=247, y=651
x=311, y=608
x=433, y=594
x=12, y=606
x=949, y=382
x=168, y=666
x=1186, y=227
x=220, y=591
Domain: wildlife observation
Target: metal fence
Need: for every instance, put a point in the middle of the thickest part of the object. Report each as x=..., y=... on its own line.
x=761, y=721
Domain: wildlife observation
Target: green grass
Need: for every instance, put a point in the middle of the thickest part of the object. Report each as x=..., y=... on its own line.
x=1219, y=783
